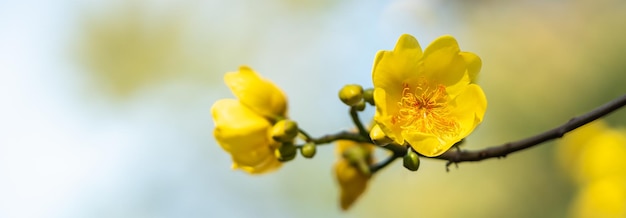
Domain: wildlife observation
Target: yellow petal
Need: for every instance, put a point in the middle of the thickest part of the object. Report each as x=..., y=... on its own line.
x=260, y=95
x=442, y=62
x=427, y=144
x=603, y=156
x=473, y=63
x=384, y=110
x=408, y=43
x=571, y=146
x=237, y=128
x=244, y=134
x=352, y=183
x=393, y=68
x=468, y=109
x=257, y=161
x=602, y=198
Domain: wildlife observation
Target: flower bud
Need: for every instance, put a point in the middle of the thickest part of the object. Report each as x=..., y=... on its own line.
x=360, y=106
x=286, y=152
x=284, y=131
x=351, y=94
x=368, y=96
x=411, y=160
x=357, y=156
x=378, y=136
x=308, y=150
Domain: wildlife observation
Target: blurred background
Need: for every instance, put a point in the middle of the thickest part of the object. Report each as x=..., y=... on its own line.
x=106, y=104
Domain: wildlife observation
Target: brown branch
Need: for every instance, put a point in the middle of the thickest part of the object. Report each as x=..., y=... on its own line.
x=344, y=135
x=457, y=156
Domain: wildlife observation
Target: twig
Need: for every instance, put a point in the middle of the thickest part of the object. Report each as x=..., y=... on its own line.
x=457, y=156
x=345, y=135
x=357, y=122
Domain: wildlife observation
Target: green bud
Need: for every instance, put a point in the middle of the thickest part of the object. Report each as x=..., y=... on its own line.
x=351, y=94
x=360, y=106
x=308, y=150
x=411, y=160
x=286, y=152
x=368, y=96
x=285, y=131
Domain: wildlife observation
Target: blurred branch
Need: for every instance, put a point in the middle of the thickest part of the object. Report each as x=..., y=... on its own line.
x=457, y=156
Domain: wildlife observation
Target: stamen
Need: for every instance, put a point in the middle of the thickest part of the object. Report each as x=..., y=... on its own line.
x=425, y=110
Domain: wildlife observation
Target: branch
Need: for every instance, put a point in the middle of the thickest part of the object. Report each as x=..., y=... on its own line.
x=344, y=135
x=457, y=156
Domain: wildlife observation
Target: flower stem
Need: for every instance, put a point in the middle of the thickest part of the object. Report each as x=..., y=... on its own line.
x=380, y=165
x=357, y=122
x=306, y=135
x=344, y=135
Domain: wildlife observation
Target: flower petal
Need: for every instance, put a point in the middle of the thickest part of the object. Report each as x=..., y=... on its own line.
x=442, y=62
x=393, y=68
x=260, y=95
x=426, y=144
x=469, y=109
x=260, y=160
x=473, y=63
x=352, y=183
x=384, y=111
x=237, y=128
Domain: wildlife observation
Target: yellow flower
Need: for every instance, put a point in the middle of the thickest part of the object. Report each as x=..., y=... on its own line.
x=593, y=151
x=604, y=197
x=352, y=181
x=242, y=127
x=427, y=99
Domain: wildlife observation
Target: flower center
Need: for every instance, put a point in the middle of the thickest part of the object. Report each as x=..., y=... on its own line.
x=425, y=110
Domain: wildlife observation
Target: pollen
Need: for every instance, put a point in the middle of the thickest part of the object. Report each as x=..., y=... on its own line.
x=424, y=108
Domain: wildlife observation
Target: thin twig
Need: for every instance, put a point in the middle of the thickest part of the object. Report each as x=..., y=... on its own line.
x=357, y=122
x=345, y=135
x=457, y=156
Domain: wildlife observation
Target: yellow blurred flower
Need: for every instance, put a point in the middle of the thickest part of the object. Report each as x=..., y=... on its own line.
x=352, y=180
x=593, y=155
x=601, y=198
x=242, y=127
x=427, y=99
x=592, y=152
x=571, y=145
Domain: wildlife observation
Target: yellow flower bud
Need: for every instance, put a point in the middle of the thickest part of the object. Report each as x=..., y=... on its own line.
x=285, y=131
x=368, y=96
x=308, y=150
x=351, y=94
x=286, y=152
x=358, y=157
x=411, y=160
x=378, y=136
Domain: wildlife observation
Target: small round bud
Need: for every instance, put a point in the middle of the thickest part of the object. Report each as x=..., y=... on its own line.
x=351, y=94
x=285, y=131
x=308, y=150
x=286, y=152
x=368, y=96
x=360, y=106
x=378, y=136
x=411, y=160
